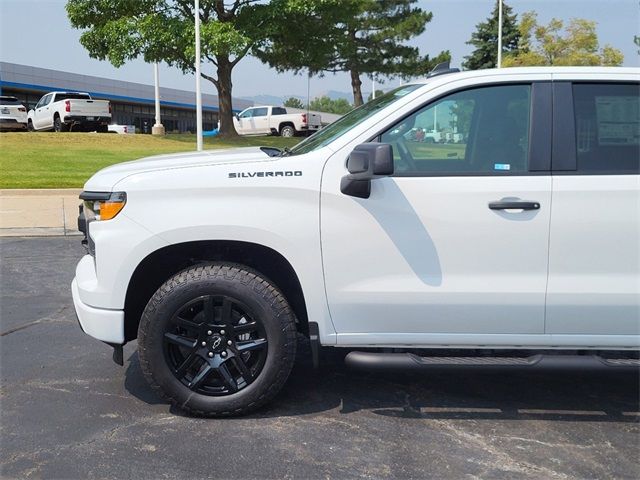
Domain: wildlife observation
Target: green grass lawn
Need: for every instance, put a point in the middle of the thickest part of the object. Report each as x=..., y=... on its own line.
x=67, y=160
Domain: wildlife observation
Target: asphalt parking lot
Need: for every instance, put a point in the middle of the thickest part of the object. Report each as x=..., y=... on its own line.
x=68, y=411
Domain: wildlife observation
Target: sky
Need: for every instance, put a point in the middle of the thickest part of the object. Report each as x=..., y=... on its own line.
x=38, y=33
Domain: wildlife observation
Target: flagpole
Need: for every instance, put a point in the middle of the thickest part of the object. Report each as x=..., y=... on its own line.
x=158, y=128
x=499, y=33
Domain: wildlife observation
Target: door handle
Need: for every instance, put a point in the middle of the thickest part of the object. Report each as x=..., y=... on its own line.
x=515, y=205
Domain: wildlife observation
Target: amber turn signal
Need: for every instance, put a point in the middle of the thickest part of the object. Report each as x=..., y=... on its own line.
x=110, y=209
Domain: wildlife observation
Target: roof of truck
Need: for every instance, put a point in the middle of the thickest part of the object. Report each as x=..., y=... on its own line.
x=497, y=72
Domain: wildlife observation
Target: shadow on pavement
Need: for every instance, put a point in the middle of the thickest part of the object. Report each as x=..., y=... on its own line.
x=460, y=394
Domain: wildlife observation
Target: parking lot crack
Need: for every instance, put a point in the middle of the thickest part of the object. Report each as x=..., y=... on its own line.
x=47, y=319
x=502, y=458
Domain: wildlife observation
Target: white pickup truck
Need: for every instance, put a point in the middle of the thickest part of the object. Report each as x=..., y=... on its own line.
x=518, y=248
x=276, y=121
x=70, y=111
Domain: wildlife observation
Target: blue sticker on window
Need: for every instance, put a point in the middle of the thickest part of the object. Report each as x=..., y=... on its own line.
x=502, y=166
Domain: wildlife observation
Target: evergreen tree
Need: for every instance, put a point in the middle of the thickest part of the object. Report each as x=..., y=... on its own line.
x=485, y=39
x=359, y=37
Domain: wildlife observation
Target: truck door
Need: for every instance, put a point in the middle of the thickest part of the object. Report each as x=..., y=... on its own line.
x=243, y=124
x=594, y=257
x=454, y=245
x=260, y=120
x=41, y=113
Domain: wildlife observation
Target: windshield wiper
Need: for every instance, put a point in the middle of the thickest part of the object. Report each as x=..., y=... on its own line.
x=285, y=152
x=272, y=151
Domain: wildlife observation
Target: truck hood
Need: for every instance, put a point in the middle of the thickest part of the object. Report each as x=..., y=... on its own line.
x=107, y=178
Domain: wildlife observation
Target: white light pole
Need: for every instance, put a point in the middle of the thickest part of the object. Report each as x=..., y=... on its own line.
x=499, y=33
x=198, y=88
x=308, y=92
x=373, y=89
x=158, y=128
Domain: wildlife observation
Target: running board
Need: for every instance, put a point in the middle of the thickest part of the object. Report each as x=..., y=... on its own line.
x=409, y=361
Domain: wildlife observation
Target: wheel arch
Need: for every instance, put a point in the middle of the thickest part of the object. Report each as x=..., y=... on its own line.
x=286, y=124
x=161, y=264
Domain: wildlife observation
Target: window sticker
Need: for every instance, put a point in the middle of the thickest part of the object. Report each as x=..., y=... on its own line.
x=618, y=120
x=502, y=166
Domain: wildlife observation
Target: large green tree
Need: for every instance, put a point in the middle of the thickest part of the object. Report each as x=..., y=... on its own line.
x=360, y=37
x=485, y=39
x=163, y=30
x=552, y=44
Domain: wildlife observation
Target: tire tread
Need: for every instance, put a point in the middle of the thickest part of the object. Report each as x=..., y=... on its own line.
x=262, y=287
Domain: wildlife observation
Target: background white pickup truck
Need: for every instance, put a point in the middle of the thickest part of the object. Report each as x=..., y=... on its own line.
x=275, y=121
x=70, y=111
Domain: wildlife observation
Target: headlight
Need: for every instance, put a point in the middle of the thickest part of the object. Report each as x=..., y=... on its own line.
x=103, y=205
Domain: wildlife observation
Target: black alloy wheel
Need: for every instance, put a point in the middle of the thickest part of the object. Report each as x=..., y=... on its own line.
x=217, y=339
x=215, y=345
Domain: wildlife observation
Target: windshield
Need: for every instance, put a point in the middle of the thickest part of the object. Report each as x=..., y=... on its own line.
x=350, y=120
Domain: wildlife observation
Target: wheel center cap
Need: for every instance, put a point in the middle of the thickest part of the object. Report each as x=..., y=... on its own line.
x=217, y=343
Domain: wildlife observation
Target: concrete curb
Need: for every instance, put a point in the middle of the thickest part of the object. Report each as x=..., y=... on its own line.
x=16, y=192
x=39, y=212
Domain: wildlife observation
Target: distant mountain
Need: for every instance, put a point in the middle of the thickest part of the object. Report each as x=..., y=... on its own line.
x=335, y=95
x=265, y=100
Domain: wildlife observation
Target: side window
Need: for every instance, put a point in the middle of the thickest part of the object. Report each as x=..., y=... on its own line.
x=44, y=101
x=479, y=131
x=48, y=100
x=607, y=120
x=260, y=112
x=247, y=113
x=278, y=111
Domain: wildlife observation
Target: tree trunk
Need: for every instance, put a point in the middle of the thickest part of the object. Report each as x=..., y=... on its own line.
x=355, y=86
x=225, y=113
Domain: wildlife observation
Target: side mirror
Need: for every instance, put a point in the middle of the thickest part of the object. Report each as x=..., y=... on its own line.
x=367, y=162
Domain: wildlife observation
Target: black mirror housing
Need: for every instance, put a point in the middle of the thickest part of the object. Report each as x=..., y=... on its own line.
x=371, y=159
x=366, y=162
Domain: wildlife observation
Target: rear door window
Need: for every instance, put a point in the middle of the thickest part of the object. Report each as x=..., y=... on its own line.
x=607, y=122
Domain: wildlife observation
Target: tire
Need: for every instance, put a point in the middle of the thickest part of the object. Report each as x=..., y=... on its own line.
x=30, y=126
x=287, y=131
x=58, y=126
x=196, y=352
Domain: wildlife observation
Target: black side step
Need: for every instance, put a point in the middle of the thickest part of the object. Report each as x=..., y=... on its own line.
x=409, y=361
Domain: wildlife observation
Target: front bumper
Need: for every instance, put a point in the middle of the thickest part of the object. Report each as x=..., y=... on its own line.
x=100, y=323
